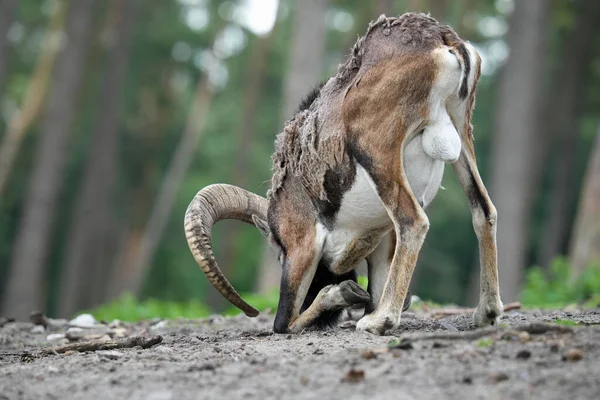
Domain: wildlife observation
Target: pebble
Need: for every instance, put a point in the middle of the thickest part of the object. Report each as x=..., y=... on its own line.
x=572, y=355
x=499, y=377
x=84, y=321
x=524, y=354
x=368, y=355
x=55, y=336
x=354, y=376
x=159, y=325
x=38, y=329
x=110, y=354
x=524, y=337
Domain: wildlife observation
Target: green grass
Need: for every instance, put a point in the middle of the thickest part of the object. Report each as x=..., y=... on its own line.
x=486, y=342
x=128, y=308
x=540, y=291
x=566, y=322
x=561, y=288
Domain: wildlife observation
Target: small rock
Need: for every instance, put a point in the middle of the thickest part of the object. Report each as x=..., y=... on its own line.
x=572, y=355
x=524, y=354
x=84, y=321
x=467, y=380
x=524, y=337
x=4, y=321
x=38, y=329
x=110, y=354
x=309, y=343
x=448, y=326
x=499, y=377
x=403, y=344
x=115, y=323
x=354, y=376
x=368, y=355
x=304, y=380
x=159, y=325
x=164, y=350
x=318, y=352
x=571, y=308
x=119, y=333
x=439, y=345
x=74, y=330
x=216, y=319
x=202, y=367
x=55, y=336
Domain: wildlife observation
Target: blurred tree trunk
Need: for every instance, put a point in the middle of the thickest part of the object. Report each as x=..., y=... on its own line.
x=440, y=10
x=305, y=65
x=7, y=17
x=585, y=245
x=307, y=52
x=131, y=276
x=516, y=139
x=34, y=98
x=255, y=74
x=567, y=106
x=25, y=291
x=384, y=7
x=92, y=231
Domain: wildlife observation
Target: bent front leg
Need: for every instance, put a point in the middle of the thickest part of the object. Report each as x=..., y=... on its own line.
x=330, y=299
x=484, y=223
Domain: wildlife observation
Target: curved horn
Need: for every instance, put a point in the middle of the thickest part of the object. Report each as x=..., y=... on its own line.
x=211, y=204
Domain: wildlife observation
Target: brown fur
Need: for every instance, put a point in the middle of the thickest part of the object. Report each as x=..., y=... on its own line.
x=367, y=113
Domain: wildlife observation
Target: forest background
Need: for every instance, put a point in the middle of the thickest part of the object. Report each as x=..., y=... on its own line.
x=113, y=114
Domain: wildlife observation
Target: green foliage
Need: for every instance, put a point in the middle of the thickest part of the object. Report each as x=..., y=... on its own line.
x=561, y=288
x=363, y=281
x=128, y=308
x=261, y=302
x=566, y=322
x=486, y=342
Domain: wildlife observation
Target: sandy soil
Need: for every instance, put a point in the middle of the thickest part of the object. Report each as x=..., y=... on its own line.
x=239, y=357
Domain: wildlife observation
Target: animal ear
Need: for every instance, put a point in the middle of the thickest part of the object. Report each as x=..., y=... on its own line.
x=262, y=225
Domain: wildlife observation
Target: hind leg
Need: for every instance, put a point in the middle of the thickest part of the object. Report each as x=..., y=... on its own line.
x=484, y=223
x=330, y=300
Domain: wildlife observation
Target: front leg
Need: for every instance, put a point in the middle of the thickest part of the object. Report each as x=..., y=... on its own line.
x=378, y=264
x=484, y=223
x=410, y=226
x=330, y=299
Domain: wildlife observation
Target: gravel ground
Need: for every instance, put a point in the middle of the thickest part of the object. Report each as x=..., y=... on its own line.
x=239, y=357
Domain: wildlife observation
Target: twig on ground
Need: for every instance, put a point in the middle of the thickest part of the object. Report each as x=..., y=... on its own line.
x=535, y=328
x=95, y=345
x=444, y=312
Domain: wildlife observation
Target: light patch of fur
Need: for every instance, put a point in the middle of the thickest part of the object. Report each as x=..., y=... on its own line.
x=379, y=266
x=440, y=138
x=424, y=173
x=308, y=276
x=361, y=207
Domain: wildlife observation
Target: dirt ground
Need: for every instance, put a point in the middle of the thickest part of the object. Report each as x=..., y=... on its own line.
x=239, y=357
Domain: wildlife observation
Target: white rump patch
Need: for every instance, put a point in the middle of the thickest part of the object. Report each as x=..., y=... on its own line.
x=441, y=140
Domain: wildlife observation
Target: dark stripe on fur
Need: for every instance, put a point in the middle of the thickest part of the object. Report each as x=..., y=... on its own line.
x=464, y=87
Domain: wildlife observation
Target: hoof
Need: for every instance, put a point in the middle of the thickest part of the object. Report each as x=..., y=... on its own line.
x=353, y=293
x=377, y=324
x=488, y=313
